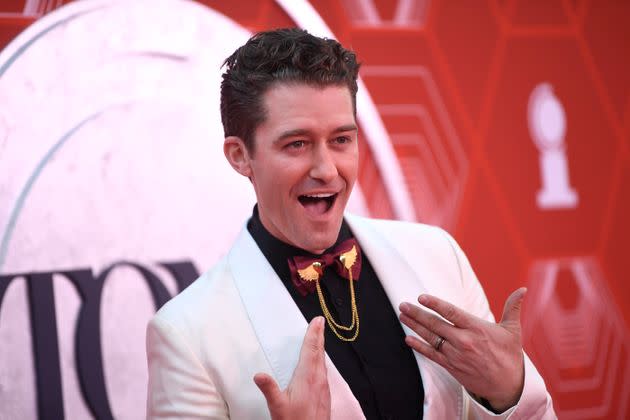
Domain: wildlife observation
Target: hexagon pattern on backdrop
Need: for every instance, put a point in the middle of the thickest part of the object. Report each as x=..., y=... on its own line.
x=511, y=123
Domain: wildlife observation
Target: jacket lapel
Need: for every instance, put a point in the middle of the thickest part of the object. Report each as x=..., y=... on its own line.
x=278, y=322
x=402, y=283
x=399, y=279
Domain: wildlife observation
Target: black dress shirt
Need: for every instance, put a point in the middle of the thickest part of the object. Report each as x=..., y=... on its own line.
x=378, y=366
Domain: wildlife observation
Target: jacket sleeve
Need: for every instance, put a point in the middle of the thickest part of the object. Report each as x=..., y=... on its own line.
x=179, y=386
x=535, y=401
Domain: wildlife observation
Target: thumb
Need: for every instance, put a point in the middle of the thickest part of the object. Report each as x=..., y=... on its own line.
x=269, y=387
x=312, y=350
x=512, y=309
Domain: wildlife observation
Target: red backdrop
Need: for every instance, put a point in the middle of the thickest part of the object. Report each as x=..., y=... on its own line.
x=452, y=81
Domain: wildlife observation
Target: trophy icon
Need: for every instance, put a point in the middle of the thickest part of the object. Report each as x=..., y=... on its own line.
x=547, y=126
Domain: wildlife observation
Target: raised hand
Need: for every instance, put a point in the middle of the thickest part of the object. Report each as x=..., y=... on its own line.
x=485, y=357
x=307, y=396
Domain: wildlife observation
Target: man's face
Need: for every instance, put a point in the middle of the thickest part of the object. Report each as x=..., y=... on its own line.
x=305, y=163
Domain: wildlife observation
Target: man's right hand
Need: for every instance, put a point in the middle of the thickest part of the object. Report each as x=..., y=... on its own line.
x=308, y=394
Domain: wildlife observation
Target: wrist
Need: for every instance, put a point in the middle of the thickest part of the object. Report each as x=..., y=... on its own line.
x=501, y=403
x=498, y=406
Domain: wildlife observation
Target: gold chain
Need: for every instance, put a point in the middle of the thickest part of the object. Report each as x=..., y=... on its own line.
x=331, y=322
x=348, y=261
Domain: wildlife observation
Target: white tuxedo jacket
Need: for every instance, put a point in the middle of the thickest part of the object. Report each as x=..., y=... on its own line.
x=238, y=319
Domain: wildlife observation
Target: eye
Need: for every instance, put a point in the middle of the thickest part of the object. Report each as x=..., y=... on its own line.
x=297, y=144
x=342, y=139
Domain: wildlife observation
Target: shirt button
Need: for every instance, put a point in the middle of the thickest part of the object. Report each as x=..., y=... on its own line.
x=339, y=301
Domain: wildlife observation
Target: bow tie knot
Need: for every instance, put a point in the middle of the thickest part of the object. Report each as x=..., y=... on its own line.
x=307, y=272
x=345, y=258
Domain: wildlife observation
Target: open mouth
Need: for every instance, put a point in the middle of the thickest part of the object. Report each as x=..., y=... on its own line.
x=318, y=203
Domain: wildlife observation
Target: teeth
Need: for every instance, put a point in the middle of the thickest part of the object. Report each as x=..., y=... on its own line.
x=323, y=195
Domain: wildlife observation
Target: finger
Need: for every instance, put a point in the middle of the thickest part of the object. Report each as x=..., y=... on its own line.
x=427, y=351
x=426, y=334
x=312, y=350
x=311, y=368
x=512, y=309
x=427, y=320
x=269, y=387
x=320, y=349
x=449, y=311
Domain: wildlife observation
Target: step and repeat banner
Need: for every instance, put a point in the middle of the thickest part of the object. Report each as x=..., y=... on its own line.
x=506, y=122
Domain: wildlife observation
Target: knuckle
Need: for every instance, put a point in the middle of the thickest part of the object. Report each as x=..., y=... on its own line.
x=312, y=346
x=467, y=343
x=311, y=380
x=450, y=312
x=434, y=324
x=323, y=387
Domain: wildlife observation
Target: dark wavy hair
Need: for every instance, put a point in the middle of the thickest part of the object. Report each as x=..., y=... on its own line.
x=279, y=56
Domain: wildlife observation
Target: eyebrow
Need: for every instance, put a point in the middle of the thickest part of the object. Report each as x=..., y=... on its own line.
x=303, y=132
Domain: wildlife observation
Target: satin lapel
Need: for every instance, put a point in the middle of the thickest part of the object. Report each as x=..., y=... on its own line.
x=278, y=322
x=400, y=281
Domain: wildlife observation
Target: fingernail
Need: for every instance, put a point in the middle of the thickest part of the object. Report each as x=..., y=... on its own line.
x=403, y=307
x=423, y=299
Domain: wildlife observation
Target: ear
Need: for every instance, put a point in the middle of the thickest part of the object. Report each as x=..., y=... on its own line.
x=237, y=155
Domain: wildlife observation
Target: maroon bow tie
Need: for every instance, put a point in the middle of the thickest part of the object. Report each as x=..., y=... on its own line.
x=306, y=271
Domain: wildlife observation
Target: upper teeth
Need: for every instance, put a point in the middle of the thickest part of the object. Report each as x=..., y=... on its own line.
x=323, y=195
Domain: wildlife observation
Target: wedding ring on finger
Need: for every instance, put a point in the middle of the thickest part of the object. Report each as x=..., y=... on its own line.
x=439, y=342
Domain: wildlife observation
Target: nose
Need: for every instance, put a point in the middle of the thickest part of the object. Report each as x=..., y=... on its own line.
x=323, y=165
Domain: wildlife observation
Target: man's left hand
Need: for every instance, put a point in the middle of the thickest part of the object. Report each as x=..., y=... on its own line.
x=484, y=357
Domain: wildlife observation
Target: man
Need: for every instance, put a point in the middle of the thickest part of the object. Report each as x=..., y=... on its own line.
x=233, y=344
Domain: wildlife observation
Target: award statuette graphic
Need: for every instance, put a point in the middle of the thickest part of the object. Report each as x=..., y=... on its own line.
x=548, y=126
